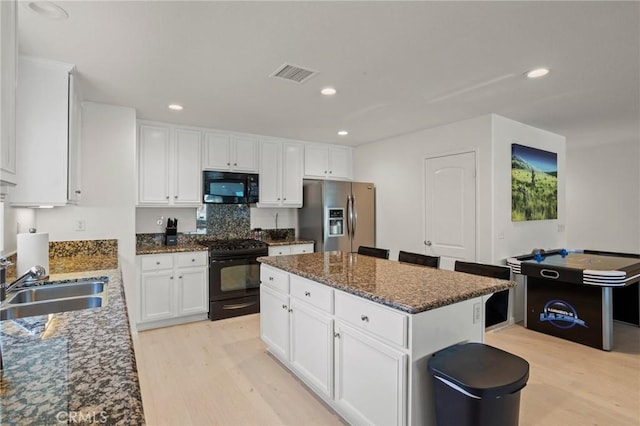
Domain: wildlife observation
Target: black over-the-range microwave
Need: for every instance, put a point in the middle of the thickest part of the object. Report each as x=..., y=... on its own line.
x=230, y=188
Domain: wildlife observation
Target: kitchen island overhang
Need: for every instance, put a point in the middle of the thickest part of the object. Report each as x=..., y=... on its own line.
x=369, y=322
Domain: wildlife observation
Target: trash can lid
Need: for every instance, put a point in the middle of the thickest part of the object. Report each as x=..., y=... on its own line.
x=480, y=369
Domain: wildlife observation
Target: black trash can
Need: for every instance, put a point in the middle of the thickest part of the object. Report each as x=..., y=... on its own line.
x=476, y=385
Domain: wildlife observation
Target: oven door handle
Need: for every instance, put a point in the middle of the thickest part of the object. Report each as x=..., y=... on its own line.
x=237, y=306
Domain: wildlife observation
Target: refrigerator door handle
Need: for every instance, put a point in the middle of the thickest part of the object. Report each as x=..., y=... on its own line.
x=354, y=219
x=349, y=218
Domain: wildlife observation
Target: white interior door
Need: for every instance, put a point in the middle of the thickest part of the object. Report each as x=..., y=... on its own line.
x=450, y=208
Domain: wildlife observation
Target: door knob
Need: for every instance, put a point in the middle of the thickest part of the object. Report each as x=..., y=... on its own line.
x=427, y=243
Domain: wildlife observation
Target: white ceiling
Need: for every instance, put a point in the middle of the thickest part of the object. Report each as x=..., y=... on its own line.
x=398, y=66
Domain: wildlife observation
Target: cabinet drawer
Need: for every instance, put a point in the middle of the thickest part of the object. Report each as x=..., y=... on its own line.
x=313, y=293
x=274, y=278
x=279, y=250
x=194, y=258
x=156, y=262
x=301, y=248
x=374, y=318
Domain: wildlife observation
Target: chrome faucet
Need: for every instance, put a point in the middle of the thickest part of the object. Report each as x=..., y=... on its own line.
x=35, y=272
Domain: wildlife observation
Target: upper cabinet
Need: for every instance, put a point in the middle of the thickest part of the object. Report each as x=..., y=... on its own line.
x=169, y=160
x=281, y=165
x=8, y=67
x=327, y=162
x=229, y=152
x=48, y=113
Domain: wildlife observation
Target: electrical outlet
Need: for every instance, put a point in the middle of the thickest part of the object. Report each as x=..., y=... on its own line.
x=81, y=225
x=560, y=228
x=477, y=313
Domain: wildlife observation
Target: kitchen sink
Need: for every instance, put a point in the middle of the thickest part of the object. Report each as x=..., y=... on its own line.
x=54, y=298
x=49, y=292
x=49, y=307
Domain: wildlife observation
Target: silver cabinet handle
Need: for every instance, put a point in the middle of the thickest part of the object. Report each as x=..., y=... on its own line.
x=180, y=277
x=175, y=196
x=427, y=243
x=235, y=164
x=306, y=293
x=78, y=191
x=171, y=278
x=157, y=263
x=364, y=318
x=228, y=164
x=270, y=278
x=290, y=310
x=167, y=197
x=193, y=260
x=284, y=306
x=336, y=335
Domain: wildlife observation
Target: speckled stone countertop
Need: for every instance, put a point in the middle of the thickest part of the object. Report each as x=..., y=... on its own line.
x=287, y=242
x=160, y=249
x=402, y=286
x=73, y=365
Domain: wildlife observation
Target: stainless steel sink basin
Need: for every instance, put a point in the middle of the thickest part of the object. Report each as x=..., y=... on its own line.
x=54, y=298
x=49, y=307
x=50, y=292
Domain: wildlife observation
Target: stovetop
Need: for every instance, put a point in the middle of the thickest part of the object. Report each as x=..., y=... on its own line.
x=235, y=245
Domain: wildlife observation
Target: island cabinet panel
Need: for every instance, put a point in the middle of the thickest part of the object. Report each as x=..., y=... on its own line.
x=274, y=321
x=371, y=378
x=275, y=278
x=312, y=345
x=387, y=324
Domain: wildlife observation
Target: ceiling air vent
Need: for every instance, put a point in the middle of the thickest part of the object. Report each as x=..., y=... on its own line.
x=293, y=73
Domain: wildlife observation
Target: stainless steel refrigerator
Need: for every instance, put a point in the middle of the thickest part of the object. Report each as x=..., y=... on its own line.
x=337, y=215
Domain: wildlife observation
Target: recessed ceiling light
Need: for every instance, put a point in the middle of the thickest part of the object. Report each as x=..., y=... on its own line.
x=538, y=72
x=175, y=107
x=328, y=91
x=47, y=9
x=343, y=133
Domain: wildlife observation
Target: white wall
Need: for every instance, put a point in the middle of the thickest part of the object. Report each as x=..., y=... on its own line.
x=396, y=166
x=522, y=237
x=603, y=197
x=108, y=193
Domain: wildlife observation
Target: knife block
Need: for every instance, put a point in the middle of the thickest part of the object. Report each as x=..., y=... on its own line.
x=170, y=236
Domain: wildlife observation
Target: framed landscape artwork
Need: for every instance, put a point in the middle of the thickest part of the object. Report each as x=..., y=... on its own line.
x=534, y=184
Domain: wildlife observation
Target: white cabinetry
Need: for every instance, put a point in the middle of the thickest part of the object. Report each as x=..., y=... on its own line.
x=8, y=68
x=173, y=288
x=229, y=152
x=327, y=162
x=350, y=351
x=168, y=166
x=281, y=165
x=47, y=125
x=290, y=249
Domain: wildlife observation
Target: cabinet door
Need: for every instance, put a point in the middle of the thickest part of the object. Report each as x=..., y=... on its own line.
x=312, y=346
x=270, y=154
x=75, y=128
x=370, y=379
x=292, y=165
x=217, y=151
x=187, y=173
x=153, y=164
x=192, y=291
x=157, y=296
x=8, y=60
x=316, y=161
x=274, y=321
x=246, y=154
x=339, y=163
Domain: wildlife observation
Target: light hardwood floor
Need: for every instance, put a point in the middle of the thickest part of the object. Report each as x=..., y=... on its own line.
x=218, y=373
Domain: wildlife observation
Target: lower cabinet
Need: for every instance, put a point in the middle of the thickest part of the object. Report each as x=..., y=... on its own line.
x=362, y=377
x=173, y=288
x=370, y=378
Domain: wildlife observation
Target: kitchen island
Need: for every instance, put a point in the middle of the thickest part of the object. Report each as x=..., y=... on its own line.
x=359, y=330
x=72, y=367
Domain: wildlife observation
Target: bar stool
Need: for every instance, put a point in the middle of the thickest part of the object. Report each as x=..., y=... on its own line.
x=419, y=259
x=374, y=252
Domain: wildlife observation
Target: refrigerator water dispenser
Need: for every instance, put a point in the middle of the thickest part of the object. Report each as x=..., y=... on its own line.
x=335, y=217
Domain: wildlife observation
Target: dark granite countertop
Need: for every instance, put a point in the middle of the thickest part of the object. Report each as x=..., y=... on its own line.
x=402, y=286
x=72, y=365
x=160, y=249
x=287, y=242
